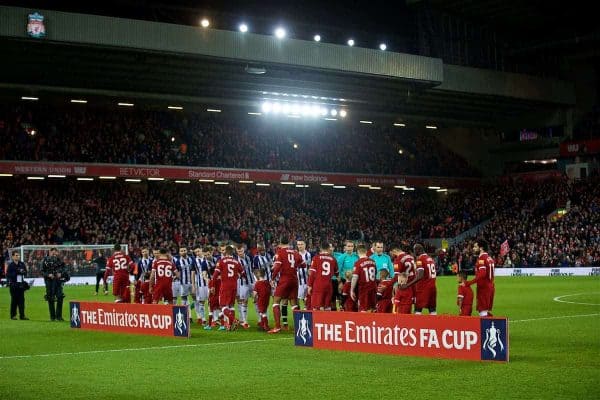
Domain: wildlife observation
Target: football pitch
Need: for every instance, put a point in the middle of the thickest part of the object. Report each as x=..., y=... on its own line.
x=554, y=353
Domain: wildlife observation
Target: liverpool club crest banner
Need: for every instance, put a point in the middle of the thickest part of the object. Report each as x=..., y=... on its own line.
x=35, y=26
x=467, y=338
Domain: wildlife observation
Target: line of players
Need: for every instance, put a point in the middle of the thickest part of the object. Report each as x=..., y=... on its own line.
x=231, y=276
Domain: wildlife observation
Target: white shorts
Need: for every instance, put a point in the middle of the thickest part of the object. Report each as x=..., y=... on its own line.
x=181, y=289
x=302, y=291
x=244, y=291
x=202, y=293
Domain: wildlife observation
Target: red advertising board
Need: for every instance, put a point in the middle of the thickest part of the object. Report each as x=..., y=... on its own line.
x=226, y=174
x=581, y=147
x=145, y=319
x=467, y=338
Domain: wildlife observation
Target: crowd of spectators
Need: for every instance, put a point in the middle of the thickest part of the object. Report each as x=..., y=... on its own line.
x=46, y=133
x=170, y=215
x=536, y=236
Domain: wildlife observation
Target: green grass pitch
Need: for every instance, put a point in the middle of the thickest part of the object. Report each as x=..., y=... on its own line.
x=555, y=354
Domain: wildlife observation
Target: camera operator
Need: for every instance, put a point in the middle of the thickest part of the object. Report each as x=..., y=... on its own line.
x=15, y=274
x=55, y=274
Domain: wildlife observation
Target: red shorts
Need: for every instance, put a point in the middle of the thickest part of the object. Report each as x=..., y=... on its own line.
x=162, y=291
x=213, y=301
x=321, y=298
x=120, y=285
x=227, y=296
x=426, y=298
x=367, y=299
x=384, y=306
x=466, y=310
x=263, y=304
x=287, y=289
x=485, y=298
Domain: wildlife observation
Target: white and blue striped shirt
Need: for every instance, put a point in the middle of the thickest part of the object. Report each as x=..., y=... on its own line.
x=303, y=272
x=184, y=266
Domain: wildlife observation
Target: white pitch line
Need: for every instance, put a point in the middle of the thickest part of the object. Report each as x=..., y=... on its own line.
x=558, y=299
x=75, y=353
x=560, y=317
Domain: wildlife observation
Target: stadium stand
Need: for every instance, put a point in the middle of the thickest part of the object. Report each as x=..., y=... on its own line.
x=166, y=214
x=153, y=137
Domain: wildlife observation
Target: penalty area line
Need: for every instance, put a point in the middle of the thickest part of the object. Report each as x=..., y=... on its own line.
x=175, y=346
x=558, y=317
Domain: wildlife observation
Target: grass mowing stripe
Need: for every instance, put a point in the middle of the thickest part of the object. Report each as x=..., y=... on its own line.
x=142, y=348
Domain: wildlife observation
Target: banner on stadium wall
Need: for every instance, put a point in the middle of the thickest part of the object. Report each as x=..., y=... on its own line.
x=579, y=148
x=533, y=177
x=226, y=174
x=466, y=338
x=569, y=271
x=144, y=319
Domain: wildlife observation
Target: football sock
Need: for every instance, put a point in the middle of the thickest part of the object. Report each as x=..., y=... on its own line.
x=277, y=315
x=284, y=314
x=244, y=312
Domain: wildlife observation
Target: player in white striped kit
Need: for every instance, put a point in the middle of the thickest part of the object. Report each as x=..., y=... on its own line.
x=303, y=273
x=182, y=287
x=200, y=277
x=245, y=285
x=263, y=260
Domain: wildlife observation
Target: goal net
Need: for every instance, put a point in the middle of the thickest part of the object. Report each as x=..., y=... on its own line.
x=79, y=258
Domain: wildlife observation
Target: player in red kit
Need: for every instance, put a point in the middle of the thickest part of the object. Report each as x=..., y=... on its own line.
x=120, y=265
x=484, y=278
x=363, y=275
x=347, y=302
x=262, y=295
x=405, y=271
x=385, y=287
x=161, y=278
x=229, y=270
x=426, y=291
x=285, y=266
x=323, y=268
x=403, y=300
x=464, y=299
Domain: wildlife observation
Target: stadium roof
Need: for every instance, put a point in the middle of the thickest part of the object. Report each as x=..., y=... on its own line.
x=466, y=95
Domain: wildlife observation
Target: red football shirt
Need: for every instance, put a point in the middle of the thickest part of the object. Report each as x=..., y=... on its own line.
x=466, y=293
x=425, y=263
x=120, y=264
x=484, y=276
x=229, y=269
x=385, y=289
x=366, y=270
x=163, y=271
x=404, y=263
x=285, y=264
x=322, y=269
x=263, y=290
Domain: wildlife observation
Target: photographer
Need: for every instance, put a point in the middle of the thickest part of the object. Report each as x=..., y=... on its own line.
x=55, y=274
x=15, y=274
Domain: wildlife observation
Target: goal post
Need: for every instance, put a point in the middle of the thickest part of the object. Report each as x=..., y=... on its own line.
x=79, y=258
